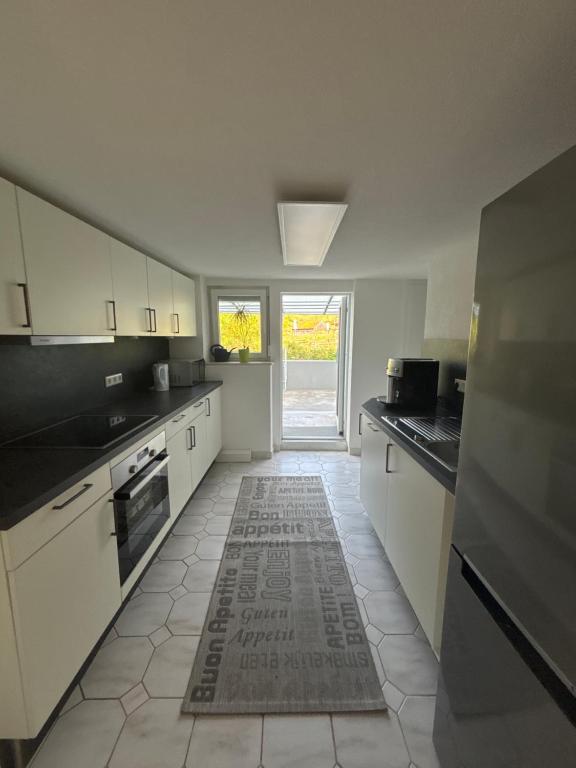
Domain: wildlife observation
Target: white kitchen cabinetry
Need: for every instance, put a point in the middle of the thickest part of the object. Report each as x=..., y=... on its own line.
x=69, y=273
x=374, y=475
x=200, y=458
x=62, y=598
x=130, y=283
x=214, y=423
x=14, y=311
x=179, y=470
x=184, y=298
x=418, y=534
x=160, y=298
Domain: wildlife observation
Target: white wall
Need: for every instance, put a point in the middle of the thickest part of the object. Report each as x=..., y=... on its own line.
x=387, y=321
x=450, y=293
x=246, y=406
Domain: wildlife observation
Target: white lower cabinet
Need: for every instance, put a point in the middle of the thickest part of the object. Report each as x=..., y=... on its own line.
x=195, y=439
x=374, y=476
x=214, y=422
x=418, y=534
x=62, y=598
x=200, y=458
x=179, y=472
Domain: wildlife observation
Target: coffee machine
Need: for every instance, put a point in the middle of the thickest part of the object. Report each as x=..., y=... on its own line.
x=412, y=382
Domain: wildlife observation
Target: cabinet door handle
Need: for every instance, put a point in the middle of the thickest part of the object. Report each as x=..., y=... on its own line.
x=209, y=410
x=82, y=490
x=372, y=428
x=177, y=316
x=388, y=470
x=155, y=324
x=28, y=323
x=199, y=405
x=359, y=423
x=115, y=324
x=149, y=312
x=192, y=433
x=179, y=418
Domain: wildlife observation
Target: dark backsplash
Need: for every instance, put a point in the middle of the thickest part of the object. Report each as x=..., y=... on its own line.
x=453, y=356
x=42, y=385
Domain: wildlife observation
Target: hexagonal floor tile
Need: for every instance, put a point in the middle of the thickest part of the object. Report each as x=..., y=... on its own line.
x=356, y=523
x=144, y=614
x=156, y=734
x=376, y=573
x=188, y=525
x=169, y=671
x=417, y=720
x=188, y=614
x=201, y=576
x=85, y=736
x=297, y=740
x=410, y=664
x=369, y=740
x=211, y=548
x=364, y=545
x=390, y=612
x=178, y=547
x=163, y=576
x=117, y=668
x=226, y=741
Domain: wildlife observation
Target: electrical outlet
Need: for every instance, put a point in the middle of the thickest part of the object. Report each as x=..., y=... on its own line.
x=111, y=381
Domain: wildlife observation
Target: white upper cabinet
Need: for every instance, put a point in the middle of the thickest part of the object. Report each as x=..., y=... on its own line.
x=69, y=271
x=184, y=305
x=13, y=298
x=160, y=297
x=130, y=283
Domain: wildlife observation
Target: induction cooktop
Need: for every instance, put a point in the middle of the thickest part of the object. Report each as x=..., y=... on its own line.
x=85, y=431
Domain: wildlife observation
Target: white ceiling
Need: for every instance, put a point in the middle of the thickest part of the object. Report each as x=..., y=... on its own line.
x=177, y=125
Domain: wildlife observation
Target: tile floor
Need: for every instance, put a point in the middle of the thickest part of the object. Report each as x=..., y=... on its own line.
x=126, y=712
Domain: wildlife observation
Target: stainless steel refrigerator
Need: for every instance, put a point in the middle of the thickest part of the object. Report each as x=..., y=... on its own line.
x=506, y=695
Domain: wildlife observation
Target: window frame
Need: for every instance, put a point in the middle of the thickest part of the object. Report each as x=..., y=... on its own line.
x=241, y=293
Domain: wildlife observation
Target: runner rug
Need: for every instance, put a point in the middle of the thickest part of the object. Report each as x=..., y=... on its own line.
x=283, y=631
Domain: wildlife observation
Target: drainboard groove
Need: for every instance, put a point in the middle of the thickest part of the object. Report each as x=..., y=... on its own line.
x=441, y=428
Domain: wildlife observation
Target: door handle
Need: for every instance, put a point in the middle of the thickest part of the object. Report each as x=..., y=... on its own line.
x=209, y=411
x=199, y=405
x=149, y=311
x=388, y=470
x=359, y=423
x=28, y=323
x=179, y=418
x=81, y=492
x=192, y=433
x=155, y=324
x=177, y=316
x=115, y=324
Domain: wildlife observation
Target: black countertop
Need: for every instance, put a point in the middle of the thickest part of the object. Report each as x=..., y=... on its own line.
x=31, y=477
x=375, y=411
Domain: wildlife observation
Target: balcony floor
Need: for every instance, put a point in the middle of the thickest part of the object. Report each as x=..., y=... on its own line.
x=310, y=413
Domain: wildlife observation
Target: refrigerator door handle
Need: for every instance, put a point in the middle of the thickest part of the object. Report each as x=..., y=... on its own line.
x=560, y=690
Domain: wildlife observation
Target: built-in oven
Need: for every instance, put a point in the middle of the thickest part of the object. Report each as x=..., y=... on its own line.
x=141, y=501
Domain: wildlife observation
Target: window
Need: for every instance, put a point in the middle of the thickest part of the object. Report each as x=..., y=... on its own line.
x=240, y=318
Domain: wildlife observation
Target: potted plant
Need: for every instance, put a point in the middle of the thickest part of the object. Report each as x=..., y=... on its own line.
x=242, y=328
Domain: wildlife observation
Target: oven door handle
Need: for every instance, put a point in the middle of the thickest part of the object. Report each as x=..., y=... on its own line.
x=123, y=496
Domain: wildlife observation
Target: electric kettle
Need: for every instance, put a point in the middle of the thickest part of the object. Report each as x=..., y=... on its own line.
x=161, y=379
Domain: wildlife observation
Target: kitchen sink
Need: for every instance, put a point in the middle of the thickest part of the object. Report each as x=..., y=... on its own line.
x=438, y=436
x=446, y=451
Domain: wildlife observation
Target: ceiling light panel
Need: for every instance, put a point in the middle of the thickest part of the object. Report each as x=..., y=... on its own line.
x=307, y=230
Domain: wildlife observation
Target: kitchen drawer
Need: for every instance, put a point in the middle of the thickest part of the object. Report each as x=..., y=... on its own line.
x=182, y=419
x=21, y=541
